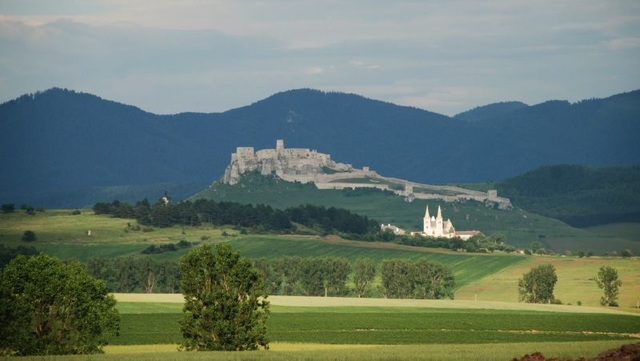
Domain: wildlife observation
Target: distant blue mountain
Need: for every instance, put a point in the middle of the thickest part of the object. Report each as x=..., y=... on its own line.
x=490, y=111
x=64, y=148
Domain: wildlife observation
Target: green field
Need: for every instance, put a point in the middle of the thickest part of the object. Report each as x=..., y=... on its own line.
x=150, y=331
x=519, y=226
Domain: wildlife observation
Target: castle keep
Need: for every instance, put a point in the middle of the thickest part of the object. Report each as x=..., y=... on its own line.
x=295, y=164
x=309, y=166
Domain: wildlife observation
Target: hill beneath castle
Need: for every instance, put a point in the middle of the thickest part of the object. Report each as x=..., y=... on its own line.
x=63, y=148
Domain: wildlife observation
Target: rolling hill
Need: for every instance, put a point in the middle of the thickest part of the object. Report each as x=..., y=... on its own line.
x=64, y=148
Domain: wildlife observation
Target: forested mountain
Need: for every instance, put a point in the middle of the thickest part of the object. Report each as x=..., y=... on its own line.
x=63, y=148
x=490, y=111
x=578, y=195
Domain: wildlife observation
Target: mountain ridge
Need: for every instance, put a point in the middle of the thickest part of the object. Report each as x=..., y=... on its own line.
x=62, y=139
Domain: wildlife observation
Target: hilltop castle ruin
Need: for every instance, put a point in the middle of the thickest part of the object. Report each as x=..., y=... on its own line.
x=309, y=166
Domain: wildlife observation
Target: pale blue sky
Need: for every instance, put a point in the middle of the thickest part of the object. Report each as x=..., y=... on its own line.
x=169, y=56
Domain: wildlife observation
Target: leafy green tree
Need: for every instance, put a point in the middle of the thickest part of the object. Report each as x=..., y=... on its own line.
x=225, y=301
x=432, y=280
x=313, y=276
x=627, y=253
x=272, y=278
x=608, y=281
x=365, y=272
x=29, y=236
x=337, y=270
x=291, y=269
x=51, y=307
x=536, y=286
x=396, y=278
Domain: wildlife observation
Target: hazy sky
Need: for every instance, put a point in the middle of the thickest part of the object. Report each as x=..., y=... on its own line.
x=169, y=56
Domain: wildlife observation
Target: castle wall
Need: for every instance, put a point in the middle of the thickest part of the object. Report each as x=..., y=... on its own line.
x=334, y=185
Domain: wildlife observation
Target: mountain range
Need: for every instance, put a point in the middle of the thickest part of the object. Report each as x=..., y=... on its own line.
x=62, y=148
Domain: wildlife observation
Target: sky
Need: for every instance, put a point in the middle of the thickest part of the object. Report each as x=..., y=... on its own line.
x=172, y=56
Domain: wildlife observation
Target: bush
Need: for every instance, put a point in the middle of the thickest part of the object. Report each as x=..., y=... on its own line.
x=8, y=207
x=29, y=236
x=75, y=212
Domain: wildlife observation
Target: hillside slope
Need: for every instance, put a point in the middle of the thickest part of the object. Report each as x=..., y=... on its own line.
x=578, y=195
x=520, y=227
x=62, y=148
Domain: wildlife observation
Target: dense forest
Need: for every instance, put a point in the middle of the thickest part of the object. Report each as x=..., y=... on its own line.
x=578, y=195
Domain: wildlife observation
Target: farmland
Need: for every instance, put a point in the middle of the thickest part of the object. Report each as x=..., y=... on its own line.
x=485, y=277
x=315, y=328
x=474, y=326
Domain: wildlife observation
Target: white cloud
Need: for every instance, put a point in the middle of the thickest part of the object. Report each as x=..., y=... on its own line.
x=447, y=56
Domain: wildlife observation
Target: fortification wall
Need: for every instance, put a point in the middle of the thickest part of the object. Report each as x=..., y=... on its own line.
x=334, y=185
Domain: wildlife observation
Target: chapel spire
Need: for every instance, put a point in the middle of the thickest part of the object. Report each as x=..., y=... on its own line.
x=439, y=216
x=426, y=214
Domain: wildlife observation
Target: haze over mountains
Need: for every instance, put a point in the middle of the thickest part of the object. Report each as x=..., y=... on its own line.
x=63, y=148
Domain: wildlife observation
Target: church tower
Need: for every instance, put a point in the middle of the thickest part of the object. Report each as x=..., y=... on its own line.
x=426, y=228
x=439, y=226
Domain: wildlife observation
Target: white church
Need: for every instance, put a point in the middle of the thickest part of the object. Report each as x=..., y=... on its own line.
x=434, y=227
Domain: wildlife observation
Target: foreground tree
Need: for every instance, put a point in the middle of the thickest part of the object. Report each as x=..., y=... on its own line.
x=536, y=286
x=608, y=281
x=51, y=307
x=225, y=301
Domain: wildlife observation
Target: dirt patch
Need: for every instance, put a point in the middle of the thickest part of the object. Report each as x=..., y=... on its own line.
x=629, y=352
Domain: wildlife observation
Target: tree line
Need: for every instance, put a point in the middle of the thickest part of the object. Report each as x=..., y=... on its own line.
x=328, y=276
x=291, y=275
x=259, y=218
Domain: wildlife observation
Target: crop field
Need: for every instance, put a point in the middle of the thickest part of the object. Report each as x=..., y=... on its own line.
x=150, y=331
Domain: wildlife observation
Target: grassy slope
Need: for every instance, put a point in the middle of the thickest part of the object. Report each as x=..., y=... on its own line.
x=520, y=227
x=575, y=281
